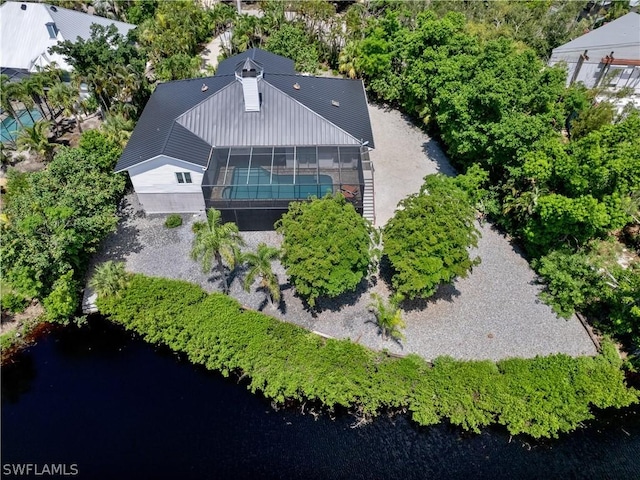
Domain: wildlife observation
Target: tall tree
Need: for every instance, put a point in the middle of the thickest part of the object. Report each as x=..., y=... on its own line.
x=327, y=247
x=428, y=238
x=217, y=241
x=260, y=266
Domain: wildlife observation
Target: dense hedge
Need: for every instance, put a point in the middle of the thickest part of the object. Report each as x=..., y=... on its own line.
x=540, y=397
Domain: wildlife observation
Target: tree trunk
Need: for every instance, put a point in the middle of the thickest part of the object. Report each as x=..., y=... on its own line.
x=223, y=274
x=77, y=117
x=239, y=6
x=16, y=117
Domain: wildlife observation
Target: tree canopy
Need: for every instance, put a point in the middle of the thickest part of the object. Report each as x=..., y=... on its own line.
x=428, y=238
x=326, y=247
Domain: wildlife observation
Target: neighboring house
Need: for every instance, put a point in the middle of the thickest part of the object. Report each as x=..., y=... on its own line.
x=28, y=30
x=250, y=140
x=607, y=57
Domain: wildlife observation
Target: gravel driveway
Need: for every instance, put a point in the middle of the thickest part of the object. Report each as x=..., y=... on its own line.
x=492, y=314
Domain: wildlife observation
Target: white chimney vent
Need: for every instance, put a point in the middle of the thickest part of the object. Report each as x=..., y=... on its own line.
x=248, y=73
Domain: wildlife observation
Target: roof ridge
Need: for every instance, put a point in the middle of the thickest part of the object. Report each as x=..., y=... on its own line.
x=312, y=111
x=204, y=100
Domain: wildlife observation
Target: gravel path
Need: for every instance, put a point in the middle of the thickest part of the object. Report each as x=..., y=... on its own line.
x=492, y=314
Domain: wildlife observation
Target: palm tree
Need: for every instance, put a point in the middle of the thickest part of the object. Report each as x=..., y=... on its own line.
x=260, y=266
x=7, y=96
x=216, y=240
x=348, y=60
x=117, y=128
x=388, y=315
x=110, y=278
x=36, y=139
x=66, y=97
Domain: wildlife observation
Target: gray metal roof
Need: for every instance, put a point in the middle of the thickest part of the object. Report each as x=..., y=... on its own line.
x=622, y=36
x=151, y=136
x=222, y=121
x=320, y=93
x=271, y=62
x=73, y=24
x=183, y=121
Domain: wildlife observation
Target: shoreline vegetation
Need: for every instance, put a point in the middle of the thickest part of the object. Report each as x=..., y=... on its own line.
x=540, y=397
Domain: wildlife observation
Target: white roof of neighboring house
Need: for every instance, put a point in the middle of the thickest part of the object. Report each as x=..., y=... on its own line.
x=622, y=36
x=25, y=39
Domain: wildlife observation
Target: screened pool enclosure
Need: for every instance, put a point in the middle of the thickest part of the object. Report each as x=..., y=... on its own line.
x=253, y=186
x=271, y=177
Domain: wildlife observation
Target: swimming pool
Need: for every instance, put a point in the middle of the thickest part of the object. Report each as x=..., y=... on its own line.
x=9, y=128
x=262, y=185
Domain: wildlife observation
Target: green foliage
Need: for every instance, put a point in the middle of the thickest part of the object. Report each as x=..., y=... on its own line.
x=13, y=303
x=36, y=139
x=109, y=279
x=57, y=218
x=178, y=67
x=388, y=316
x=98, y=148
x=540, y=397
x=217, y=241
x=293, y=42
x=427, y=239
x=260, y=266
x=326, y=247
x=174, y=220
x=62, y=302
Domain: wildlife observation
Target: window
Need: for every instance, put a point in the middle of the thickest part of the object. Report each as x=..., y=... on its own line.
x=183, y=177
x=52, y=29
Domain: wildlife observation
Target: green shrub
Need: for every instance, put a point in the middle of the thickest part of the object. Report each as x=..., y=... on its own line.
x=13, y=303
x=539, y=397
x=62, y=302
x=174, y=220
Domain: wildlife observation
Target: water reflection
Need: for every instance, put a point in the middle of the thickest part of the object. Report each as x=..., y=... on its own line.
x=120, y=408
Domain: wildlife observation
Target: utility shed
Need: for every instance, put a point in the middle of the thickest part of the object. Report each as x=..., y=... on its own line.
x=250, y=140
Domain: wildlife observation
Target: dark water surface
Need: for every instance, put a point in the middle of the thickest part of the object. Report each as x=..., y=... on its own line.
x=119, y=408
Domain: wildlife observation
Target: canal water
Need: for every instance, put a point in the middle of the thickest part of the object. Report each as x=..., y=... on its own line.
x=117, y=408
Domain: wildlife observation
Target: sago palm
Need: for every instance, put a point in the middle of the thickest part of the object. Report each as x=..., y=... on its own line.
x=217, y=241
x=260, y=266
x=109, y=279
x=388, y=316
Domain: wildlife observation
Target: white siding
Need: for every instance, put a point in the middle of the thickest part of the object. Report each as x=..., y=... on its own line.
x=159, y=176
x=171, y=202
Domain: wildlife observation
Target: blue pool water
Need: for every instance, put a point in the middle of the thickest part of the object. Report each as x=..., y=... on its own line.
x=261, y=185
x=9, y=128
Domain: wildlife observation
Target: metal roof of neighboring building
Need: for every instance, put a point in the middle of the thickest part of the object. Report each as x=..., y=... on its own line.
x=622, y=36
x=25, y=39
x=271, y=62
x=295, y=110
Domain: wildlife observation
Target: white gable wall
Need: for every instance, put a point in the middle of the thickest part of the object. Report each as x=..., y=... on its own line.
x=158, y=189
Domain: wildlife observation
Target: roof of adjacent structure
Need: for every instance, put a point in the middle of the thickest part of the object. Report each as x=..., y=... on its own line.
x=184, y=120
x=25, y=39
x=622, y=34
x=271, y=62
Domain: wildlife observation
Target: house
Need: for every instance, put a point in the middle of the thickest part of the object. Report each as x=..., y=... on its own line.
x=28, y=30
x=607, y=57
x=250, y=140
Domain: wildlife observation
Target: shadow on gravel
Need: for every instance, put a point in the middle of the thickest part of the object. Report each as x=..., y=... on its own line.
x=445, y=292
x=124, y=241
x=433, y=151
x=337, y=303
